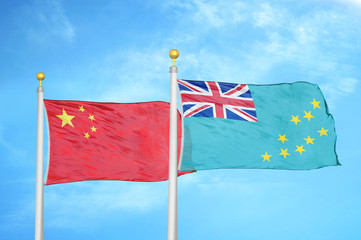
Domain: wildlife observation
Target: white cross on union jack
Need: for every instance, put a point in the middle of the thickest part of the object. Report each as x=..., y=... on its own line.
x=218, y=100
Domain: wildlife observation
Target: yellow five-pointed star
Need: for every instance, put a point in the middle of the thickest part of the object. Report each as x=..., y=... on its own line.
x=300, y=149
x=309, y=140
x=266, y=157
x=282, y=138
x=66, y=119
x=91, y=117
x=284, y=153
x=308, y=115
x=86, y=135
x=295, y=119
x=81, y=108
x=315, y=104
x=93, y=129
x=323, y=132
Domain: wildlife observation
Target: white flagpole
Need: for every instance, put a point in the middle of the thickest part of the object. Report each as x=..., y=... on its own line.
x=173, y=168
x=39, y=197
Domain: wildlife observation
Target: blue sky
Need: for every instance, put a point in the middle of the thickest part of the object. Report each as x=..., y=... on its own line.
x=118, y=51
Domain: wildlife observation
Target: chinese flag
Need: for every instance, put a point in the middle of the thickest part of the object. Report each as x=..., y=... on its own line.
x=108, y=141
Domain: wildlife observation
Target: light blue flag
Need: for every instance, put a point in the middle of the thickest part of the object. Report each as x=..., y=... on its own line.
x=281, y=126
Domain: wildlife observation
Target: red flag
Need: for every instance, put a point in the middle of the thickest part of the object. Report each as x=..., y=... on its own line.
x=108, y=141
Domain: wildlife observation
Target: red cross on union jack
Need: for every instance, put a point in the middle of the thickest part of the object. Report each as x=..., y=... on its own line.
x=217, y=100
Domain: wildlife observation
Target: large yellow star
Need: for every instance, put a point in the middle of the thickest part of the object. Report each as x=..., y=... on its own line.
x=94, y=129
x=284, y=153
x=315, y=104
x=66, y=119
x=91, y=117
x=308, y=115
x=295, y=119
x=86, y=135
x=309, y=140
x=282, y=138
x=81, y=108
x=323, y=132
x=266, y=157
x=300, y=149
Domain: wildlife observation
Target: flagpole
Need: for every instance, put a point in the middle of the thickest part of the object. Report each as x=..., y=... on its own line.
x=173, y=168
x=39, y=197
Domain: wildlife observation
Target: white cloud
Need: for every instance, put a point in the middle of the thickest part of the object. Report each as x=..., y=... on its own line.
x=78, y=205
x=14, y=152
x=337, y=88
x=218, y=13
x=302, y=41
x=304, y=35
x=354, y=2
x=51, y=22
x=212, y=13
x=237, y=187
x=348, y=85
x=210, y=66
x=133, y=76
x=75, y=204
x=268, y=15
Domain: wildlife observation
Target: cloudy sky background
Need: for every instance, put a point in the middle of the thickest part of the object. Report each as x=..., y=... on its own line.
x=117, y=51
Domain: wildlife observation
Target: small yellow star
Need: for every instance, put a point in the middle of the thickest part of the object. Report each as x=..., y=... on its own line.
x=81, y=108
x=93, y=129
x=315, y=104
x=282, y=138
x=284, y=153
x=295, y=119
x=309, y=140
x=66, y=119
x=308, y=115
x=323, y=132
x=266, y=157
x=300, y=149
x=91, y=117
x=86, y=135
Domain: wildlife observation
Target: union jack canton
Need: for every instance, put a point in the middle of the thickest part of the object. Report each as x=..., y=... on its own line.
x=217, y=100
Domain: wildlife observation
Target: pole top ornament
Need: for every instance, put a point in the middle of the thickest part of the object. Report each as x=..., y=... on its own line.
x=40, y=76
x=173, y=54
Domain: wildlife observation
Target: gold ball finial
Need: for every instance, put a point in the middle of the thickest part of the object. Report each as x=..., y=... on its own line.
x=40, y=76
x=173, y=54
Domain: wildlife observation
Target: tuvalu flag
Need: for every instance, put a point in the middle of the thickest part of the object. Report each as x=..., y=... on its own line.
x=280, y=126
x=108, y=141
